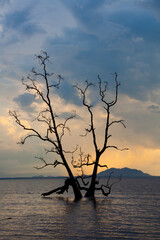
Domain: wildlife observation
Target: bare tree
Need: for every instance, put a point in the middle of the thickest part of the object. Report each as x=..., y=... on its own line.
x=54, y=131
x=86, y=161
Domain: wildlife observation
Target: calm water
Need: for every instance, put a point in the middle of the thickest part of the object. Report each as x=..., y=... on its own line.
x=131, y=212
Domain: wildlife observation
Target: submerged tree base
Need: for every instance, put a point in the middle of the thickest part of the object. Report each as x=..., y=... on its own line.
x=60, y=190
x=90, y=192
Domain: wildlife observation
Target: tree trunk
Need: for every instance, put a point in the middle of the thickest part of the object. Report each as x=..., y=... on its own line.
x=76, y=190
x=73, y=183
x=91, y=189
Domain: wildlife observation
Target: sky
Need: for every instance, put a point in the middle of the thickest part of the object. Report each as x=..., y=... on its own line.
x=83, y=38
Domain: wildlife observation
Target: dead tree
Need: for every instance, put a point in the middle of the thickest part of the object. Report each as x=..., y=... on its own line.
x=86, y=160
x=54, y=131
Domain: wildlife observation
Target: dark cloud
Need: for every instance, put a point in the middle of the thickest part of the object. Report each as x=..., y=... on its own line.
x=140, y=23
x=20, y=21
x=84, y=54
x=68, y=93
x=124, y=39
x=91, y=17
x=154, y=108
x=92, y=57
x=84, y=10
x=25, y=100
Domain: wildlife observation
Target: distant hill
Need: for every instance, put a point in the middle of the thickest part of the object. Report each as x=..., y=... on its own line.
x=124, y=172
x=117, y=172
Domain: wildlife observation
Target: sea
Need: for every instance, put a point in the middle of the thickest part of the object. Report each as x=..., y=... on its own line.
x=131, y=211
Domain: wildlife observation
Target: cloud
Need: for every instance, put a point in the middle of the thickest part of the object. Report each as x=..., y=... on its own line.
x=21, y=22
x=108, y=40
x=137, y=22
x=85, y=38
x=68, y=93
x=10, y=134
x=154, y=108
x=92, y=18
x=7, y=125
x=25, y=100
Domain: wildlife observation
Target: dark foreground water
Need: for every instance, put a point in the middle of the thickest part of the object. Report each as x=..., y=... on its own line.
x=131, y=212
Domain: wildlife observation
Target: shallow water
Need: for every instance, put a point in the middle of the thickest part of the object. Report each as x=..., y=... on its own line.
x=132, y=211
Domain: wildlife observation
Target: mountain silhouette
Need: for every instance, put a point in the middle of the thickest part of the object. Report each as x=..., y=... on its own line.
x=124, y=172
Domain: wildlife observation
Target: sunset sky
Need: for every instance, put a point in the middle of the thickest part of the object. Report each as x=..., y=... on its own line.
x=84, y=38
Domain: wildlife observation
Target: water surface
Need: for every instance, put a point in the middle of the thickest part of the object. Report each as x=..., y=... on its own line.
x=132, y=211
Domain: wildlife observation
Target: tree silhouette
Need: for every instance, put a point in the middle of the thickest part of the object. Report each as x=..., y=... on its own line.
x=86, y=161
x=55, y=131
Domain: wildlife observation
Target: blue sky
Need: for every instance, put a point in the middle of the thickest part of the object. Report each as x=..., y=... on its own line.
x=84, y=38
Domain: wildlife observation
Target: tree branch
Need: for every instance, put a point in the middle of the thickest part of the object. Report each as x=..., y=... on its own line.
x=88, y=106
x=119, y=121
x=64, y=127
x=82, y=161
x=37, y=134
x=59, y=190
x=55, y=164
x=99, y=165
x=120, y=149
x=108, y=186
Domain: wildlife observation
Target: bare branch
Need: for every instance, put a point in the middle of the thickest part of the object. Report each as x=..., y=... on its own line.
x=71, y=152
x=102, y=92
x=52, y=150
x=117, y=86
x=108, y=186
x=119, y=149
x=85, y=184
x=59, y=190
x=59, y=77
x=41, y=58
x=24, y=139
x=87, y=131
x=33, y=87
x=55, y=164
x=84, y=160
x=36, y=133
x=99, y=165
x=119, y=121
x=89, y=107
x=64, y=127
